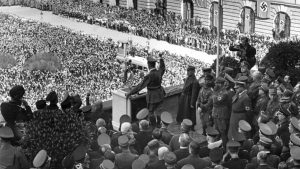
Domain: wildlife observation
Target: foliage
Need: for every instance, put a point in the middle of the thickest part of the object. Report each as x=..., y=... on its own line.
x=228, y=62
x=56, y=132
x=284, y=56
x=7, y=61
x=44, y=62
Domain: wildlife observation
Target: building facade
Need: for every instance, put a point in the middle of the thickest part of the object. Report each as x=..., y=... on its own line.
x=283, y=15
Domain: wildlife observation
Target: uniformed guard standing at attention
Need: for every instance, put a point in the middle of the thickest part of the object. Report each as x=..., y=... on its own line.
x=166, y=119
x=187, y=101
x=152, y=81
x=221, y=108
x=204, y=107
x=241, y=109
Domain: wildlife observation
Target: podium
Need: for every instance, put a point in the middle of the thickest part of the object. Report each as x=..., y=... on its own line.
x=137, y=102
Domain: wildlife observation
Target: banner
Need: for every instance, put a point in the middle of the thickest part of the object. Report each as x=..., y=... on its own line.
x=263, y=8
x=247, y=20
x=282, y=22
x=216, y=14
x=202, y=3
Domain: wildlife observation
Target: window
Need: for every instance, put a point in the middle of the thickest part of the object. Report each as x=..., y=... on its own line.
x=248, y=20
x=282, y=26
x=214, y=15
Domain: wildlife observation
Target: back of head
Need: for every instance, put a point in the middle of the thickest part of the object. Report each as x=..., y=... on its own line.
x=157, y=133
x=194, y=148
x=184, y=140
x=161, y=152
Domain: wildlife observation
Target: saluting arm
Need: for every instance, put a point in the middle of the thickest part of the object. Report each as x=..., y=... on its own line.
x=162, y=66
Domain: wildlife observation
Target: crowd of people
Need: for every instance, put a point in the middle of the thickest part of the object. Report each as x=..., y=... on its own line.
x=88, y=64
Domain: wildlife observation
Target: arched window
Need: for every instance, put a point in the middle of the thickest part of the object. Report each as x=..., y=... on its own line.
x=248, y=20
x=214, y=15
x=282, y=26
x=188, y=10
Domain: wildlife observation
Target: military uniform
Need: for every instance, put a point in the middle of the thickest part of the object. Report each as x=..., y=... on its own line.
x=152, y=81
x=188, y=99
x=241, y=108
x=206, y=106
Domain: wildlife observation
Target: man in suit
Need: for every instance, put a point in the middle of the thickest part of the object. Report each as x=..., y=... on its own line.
x=125, y=159
x=183, y=152
x=144, y=136
x=188, y=97
x=241, y=109
x=194, y=158
x=152, y=81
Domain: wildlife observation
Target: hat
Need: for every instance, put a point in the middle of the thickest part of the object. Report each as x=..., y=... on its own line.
x=123, y=140
x=187, y=122
x=125, y=127
x=153, y=144
x=107, y=164
x=273, y=127
x=125, y=118
x=270, y=73
x=216, y=154
x=206, y=69
x=170, y=158
x=138, y=164
x=265, y=141
x=295, y=123
x=295, y=153
x=211, y=131
x=272, y=90
x=17, y=90
x=80, y=152
x=40, y=104
x=295, y=139
x=6, y=132
x=103, y=139
x=40, y=158
x=188, y=166
x=245, y=63
x=265, y=129
x=220, y=80
x=100, y=123
x=166, y=117
x=142, y=114
x=150, y=59
x=191, y=68
x=232, y=144
x=244, y=126
x=145, y=158
x=86, y=109
x=52, y=97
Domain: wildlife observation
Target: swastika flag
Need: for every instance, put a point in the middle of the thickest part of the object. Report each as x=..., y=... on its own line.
x=263, y=8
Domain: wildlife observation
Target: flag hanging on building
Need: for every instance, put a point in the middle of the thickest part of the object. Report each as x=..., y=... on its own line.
x=247, y=20
x=216, y=14
x=282, y=22
x=202, y=3
x=263, y=9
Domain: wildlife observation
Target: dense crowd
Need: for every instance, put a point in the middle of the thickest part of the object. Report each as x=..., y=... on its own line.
x=88, y=64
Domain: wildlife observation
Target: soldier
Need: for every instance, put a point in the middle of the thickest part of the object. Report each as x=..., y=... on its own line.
x=152, y=81
x=244, y=70
x=221, y=108
x=141, y=115
x=273, y=103
x=206, y=71
x=185, y=127
x=125, y=158
x=241, y=109
x=204, y=107
x=166, y=119
x=188, y=97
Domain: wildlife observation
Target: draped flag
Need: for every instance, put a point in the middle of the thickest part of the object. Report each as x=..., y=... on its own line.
x=202, y=3
x=282, y=22
x=216, y=14
x=247, y=20
x=263, y=8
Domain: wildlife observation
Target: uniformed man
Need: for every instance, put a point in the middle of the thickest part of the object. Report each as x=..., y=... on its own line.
x=221, y=108
x=206, y=71
x=187, y=101
x=216, y=156
x=125, y=158
x=234, y=162
x=141, y=115
x=241, y=109
x=166, y=119
x=11, y=156
x=245, y=129
x=185, y=127
x=42, y=160
x=244, y=70
x=213, y=138
x=203, y=105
